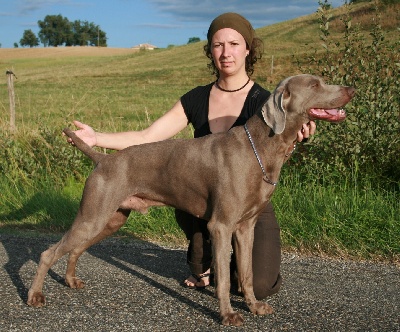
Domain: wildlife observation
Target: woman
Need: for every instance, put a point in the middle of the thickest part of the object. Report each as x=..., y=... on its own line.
x=229, y=101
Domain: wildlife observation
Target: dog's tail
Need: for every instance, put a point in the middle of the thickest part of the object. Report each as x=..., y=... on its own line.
x=81, y=145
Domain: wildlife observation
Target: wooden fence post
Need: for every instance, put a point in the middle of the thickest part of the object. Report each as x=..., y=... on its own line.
x=272, y=65
x=11, y=95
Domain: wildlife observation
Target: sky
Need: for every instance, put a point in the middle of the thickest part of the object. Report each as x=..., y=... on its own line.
x=158, y=22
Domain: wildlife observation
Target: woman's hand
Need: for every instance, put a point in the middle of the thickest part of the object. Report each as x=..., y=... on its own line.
x=85, y=133
x=306, y=131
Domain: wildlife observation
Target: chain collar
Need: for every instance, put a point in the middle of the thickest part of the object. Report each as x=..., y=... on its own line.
x=265, y=178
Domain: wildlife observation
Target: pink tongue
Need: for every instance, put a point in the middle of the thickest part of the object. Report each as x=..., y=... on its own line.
x=331, y=115
x=332, y=112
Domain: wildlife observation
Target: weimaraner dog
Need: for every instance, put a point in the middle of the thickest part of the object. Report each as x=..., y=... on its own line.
x=226, y=179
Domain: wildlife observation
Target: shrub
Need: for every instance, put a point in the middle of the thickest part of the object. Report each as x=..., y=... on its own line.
x=41, y=155
x=368, y=141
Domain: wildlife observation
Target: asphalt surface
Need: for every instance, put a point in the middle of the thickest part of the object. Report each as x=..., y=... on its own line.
x=135, y=286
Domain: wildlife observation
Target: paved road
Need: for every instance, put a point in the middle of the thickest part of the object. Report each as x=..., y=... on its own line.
x=134, y=286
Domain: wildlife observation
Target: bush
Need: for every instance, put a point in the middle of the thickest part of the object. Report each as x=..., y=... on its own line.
x=41, y=155
x=368, y=141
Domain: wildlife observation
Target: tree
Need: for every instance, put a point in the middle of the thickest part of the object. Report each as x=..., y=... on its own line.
x=55, y=30
x=81, y=33
x=193, y=40
x=88, y=34
x=101, y=37
x=15, y=45
x=28, y=39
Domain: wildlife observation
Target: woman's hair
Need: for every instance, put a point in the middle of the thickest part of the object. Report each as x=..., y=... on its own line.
x=255, y=53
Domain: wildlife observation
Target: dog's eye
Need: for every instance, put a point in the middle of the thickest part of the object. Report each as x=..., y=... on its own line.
x=315, y=85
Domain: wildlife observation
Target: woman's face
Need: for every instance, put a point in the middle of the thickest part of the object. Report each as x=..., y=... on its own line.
x=229, y=51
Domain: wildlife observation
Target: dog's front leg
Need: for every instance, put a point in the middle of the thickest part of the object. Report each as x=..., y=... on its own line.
x=243, y=242
x=221, y=236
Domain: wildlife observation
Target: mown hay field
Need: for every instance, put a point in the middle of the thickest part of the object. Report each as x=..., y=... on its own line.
x=9, y=54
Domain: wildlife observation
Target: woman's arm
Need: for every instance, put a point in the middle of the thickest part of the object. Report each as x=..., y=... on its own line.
x=163, y=128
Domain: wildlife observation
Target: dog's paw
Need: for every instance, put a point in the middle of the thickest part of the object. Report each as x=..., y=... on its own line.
x=261, y=308
x=232, y=319
x=74, y=283
x=36, y=299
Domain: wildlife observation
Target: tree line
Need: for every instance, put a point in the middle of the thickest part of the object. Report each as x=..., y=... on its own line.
x=56, y=30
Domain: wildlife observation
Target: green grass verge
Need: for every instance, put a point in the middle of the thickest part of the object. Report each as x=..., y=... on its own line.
x=339, y=219
x=336, y=220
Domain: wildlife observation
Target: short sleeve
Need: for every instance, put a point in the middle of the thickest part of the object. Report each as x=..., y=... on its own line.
x=195, y=105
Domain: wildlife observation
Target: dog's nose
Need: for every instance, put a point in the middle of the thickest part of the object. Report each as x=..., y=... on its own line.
x=351, y=91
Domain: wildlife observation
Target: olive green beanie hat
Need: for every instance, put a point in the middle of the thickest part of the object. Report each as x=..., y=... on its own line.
x=233, y=21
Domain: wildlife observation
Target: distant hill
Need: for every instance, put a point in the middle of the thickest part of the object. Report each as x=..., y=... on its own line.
x=296, y=35
x=281, y=41
x=301, y=35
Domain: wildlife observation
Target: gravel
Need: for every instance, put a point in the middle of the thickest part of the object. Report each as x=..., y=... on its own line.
x=133, y=285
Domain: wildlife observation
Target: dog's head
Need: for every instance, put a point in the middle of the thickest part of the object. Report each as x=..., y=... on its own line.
x=304, y=98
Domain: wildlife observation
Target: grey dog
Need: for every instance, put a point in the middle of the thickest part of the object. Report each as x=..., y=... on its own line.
x=226, y=179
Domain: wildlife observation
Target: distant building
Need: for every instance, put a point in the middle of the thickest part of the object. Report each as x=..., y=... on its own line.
x=144, y=47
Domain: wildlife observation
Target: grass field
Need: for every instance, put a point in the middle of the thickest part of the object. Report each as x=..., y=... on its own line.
x=122, y=89
x=11, y=54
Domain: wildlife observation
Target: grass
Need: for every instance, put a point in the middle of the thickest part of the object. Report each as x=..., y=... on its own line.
x=341, y=220
x=338, y=219
x=41, y=187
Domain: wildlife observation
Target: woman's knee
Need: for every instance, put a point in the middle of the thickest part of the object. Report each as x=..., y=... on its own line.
x=264, y=288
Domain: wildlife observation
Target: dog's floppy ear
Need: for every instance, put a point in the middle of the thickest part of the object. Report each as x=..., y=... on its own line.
x=273, y=111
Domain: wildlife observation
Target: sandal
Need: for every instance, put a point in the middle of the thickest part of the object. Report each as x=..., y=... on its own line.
x=198, y=278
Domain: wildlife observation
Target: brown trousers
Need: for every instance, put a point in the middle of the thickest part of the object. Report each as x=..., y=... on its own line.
x=266, y=249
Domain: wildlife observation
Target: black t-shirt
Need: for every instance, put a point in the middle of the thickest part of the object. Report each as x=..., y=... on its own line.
x=195, y=104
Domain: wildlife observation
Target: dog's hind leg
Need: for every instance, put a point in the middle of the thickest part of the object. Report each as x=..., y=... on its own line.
x=114, y=224
x=243, y=243
x=99, y=203
x=82, y=233
x=47, y=259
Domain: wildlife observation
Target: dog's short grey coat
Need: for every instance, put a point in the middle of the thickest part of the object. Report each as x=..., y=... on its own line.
x=217, y=178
